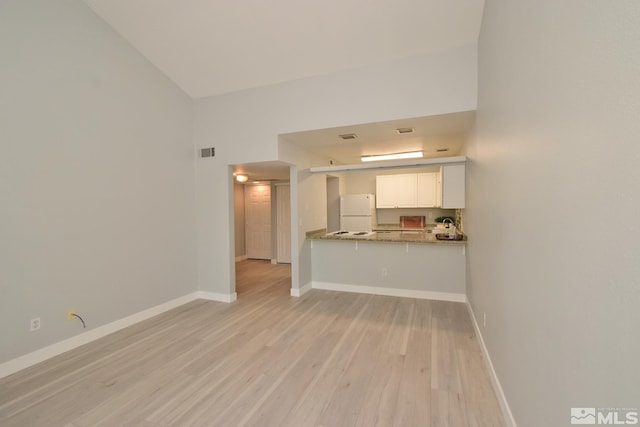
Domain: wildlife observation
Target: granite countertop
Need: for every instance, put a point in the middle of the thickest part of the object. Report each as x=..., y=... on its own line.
x=389, y=234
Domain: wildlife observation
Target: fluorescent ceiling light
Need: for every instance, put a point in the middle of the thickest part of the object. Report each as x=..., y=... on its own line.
x=393, y=156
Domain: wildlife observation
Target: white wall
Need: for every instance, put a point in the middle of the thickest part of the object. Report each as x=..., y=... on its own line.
x=427, y=270
x=244, y=127
x=555, y=153
x=96, y=176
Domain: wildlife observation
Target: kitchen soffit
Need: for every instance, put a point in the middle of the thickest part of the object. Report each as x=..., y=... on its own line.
x=437, y=136
x=212, y=47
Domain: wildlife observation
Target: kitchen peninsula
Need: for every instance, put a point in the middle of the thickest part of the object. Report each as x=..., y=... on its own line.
x=384, y=245
x=408, y=263
x=390, y=236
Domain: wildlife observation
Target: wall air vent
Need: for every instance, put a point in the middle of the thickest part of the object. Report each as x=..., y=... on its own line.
x=208, y=152
x=404, y=130
x=346, y=136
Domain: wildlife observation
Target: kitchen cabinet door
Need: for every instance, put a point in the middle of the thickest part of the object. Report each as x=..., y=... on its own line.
x=385, y=195
x=453, y=186
x=427, y=190
x=397, y=191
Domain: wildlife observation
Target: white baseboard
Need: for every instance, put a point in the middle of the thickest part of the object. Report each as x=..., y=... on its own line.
x=213, y=296
x=241, y=258
x=30, y=359
x=392, y=292
x=502, y=399
x=300, y=291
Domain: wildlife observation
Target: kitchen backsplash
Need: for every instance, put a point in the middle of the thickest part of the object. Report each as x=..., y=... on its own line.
x=460, y=220
x=392, y=216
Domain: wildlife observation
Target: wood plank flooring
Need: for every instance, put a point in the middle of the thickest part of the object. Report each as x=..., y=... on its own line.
x=268, y=359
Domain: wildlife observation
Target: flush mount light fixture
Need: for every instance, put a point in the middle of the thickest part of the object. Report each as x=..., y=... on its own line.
x=404, y=130
x=393, y=156
x=242, y=178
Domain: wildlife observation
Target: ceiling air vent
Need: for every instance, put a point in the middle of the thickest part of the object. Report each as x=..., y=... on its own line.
x=347, y=136
x=208, y=152
x=404, y=130
x=442, y=150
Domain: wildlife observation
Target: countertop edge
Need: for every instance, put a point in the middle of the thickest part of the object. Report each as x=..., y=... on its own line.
x=380, y=238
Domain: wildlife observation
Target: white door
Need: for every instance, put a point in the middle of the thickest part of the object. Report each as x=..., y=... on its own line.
x=283, y=223
x=258, y=221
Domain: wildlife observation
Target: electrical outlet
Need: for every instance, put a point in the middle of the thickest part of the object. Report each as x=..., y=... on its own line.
x=484, y=320
x=35, y=324
x=71, y=313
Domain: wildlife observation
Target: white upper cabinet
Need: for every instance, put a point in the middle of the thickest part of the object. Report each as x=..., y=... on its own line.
x=385, y=196
x=396, y=191
x=445, y=189
x=453, y=186
x=406, y=190
x=426, y=194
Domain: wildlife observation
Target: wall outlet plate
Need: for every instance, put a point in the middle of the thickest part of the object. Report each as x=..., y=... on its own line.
x=71, y=313
x=35, y=324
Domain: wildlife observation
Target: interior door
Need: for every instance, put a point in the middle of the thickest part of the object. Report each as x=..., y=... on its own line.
x=283, y=223
x=258, y=221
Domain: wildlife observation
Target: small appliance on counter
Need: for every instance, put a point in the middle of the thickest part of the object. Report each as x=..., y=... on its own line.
x=446, y=230
x=358, y=212
x=415, y=221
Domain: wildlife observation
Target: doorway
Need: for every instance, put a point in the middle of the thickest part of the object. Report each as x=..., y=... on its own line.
x=257, y=223
x=262, y=225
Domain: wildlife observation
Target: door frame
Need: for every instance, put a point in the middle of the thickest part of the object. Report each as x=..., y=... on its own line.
x=276, y=238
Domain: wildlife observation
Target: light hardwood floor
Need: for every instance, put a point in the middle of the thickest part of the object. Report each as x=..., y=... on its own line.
x=268, y=359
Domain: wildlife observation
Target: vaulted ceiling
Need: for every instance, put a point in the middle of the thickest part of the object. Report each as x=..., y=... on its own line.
x=210, y=47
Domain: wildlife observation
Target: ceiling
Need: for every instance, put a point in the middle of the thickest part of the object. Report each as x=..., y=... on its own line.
x=446, y=132
x=211, y=47
x=263, y=171
x=435, y=136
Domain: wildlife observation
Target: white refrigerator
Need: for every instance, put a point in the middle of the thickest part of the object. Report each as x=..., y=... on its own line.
x=358, y=212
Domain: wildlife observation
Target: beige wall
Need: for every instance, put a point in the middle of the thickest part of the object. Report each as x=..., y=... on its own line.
x=360, y=182
x=97, y=186
x=555, y=153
